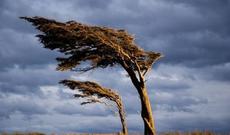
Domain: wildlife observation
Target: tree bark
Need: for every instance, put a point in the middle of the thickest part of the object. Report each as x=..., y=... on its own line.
x=122, y=117
x=146, y=109
x=146, y=112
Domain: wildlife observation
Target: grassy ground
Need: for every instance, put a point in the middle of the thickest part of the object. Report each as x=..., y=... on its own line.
x=167, y=133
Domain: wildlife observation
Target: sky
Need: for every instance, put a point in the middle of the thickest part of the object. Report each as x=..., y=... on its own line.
x=189, y=88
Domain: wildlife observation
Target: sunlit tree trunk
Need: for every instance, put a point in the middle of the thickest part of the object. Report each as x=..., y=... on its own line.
x=146, y=109
x=122, y=117
x=146, y=112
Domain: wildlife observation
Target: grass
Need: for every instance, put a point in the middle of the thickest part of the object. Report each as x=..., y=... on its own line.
x=165, y=133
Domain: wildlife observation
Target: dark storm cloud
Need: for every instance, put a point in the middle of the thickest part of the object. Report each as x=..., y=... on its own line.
x=22, y=105
x=18, y=44
x=41, y=76
x=170, y=22
x=91, y=4
x=191, y=123
x=200, y=49
x=160, y=85
x=22, y=50
x=219, y=72
x=28, y=80
x=6, y=88
x=207, y=4
x=177, y=102
x=17, y=38
x=10, y=13
x=193, y=34
x=97, y=125
x=188, y=34
x=88, y=110
x=158, y=26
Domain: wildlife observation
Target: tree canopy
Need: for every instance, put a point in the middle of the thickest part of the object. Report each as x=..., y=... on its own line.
x=91, y=90
x=100, y=46
x=94, y=93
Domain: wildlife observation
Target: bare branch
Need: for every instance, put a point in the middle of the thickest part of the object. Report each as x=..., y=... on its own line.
x=141, y=78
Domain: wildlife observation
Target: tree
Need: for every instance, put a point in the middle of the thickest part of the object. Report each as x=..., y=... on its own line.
x=99, y=47
x=94, y=93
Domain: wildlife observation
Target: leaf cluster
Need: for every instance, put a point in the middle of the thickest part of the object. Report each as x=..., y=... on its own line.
x=99, y=46
x=92, y=91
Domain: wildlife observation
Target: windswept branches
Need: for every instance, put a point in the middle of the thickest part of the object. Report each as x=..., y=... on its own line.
x=146, y=64
x=94, y=93
x=99, y=46
x=89, y=89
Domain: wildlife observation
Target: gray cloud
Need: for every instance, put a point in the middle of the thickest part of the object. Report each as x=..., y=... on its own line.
x=22, y=50
x=202, y=123
x=188, y=87
x=182, y=32
x=160, y=85
x=177, y=102
x=219, y=72
x=19, y=104
x=199, y=49
x=87, y=110
x=28, y=80
x=91, y=4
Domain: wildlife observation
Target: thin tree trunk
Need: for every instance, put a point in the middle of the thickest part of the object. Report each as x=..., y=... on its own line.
x=146, y=109
x=122, y=117
x=146, y=113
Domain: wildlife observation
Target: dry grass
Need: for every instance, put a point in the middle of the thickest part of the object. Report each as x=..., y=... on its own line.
x=22, y=133
x=166, y=133
x=194, y=133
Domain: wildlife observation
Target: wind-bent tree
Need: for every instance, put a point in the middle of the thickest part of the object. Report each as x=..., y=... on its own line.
x=94, y=93
x=99, y=47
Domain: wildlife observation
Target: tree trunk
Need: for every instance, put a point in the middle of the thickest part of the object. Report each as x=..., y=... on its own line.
x=146, y=112
x=146, y=109
x=123, y=122
x=122, y=116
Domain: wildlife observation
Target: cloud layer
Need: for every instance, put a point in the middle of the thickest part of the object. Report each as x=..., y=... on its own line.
x=189, y=87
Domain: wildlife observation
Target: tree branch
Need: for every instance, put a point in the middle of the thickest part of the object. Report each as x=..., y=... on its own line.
x=141, y=77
